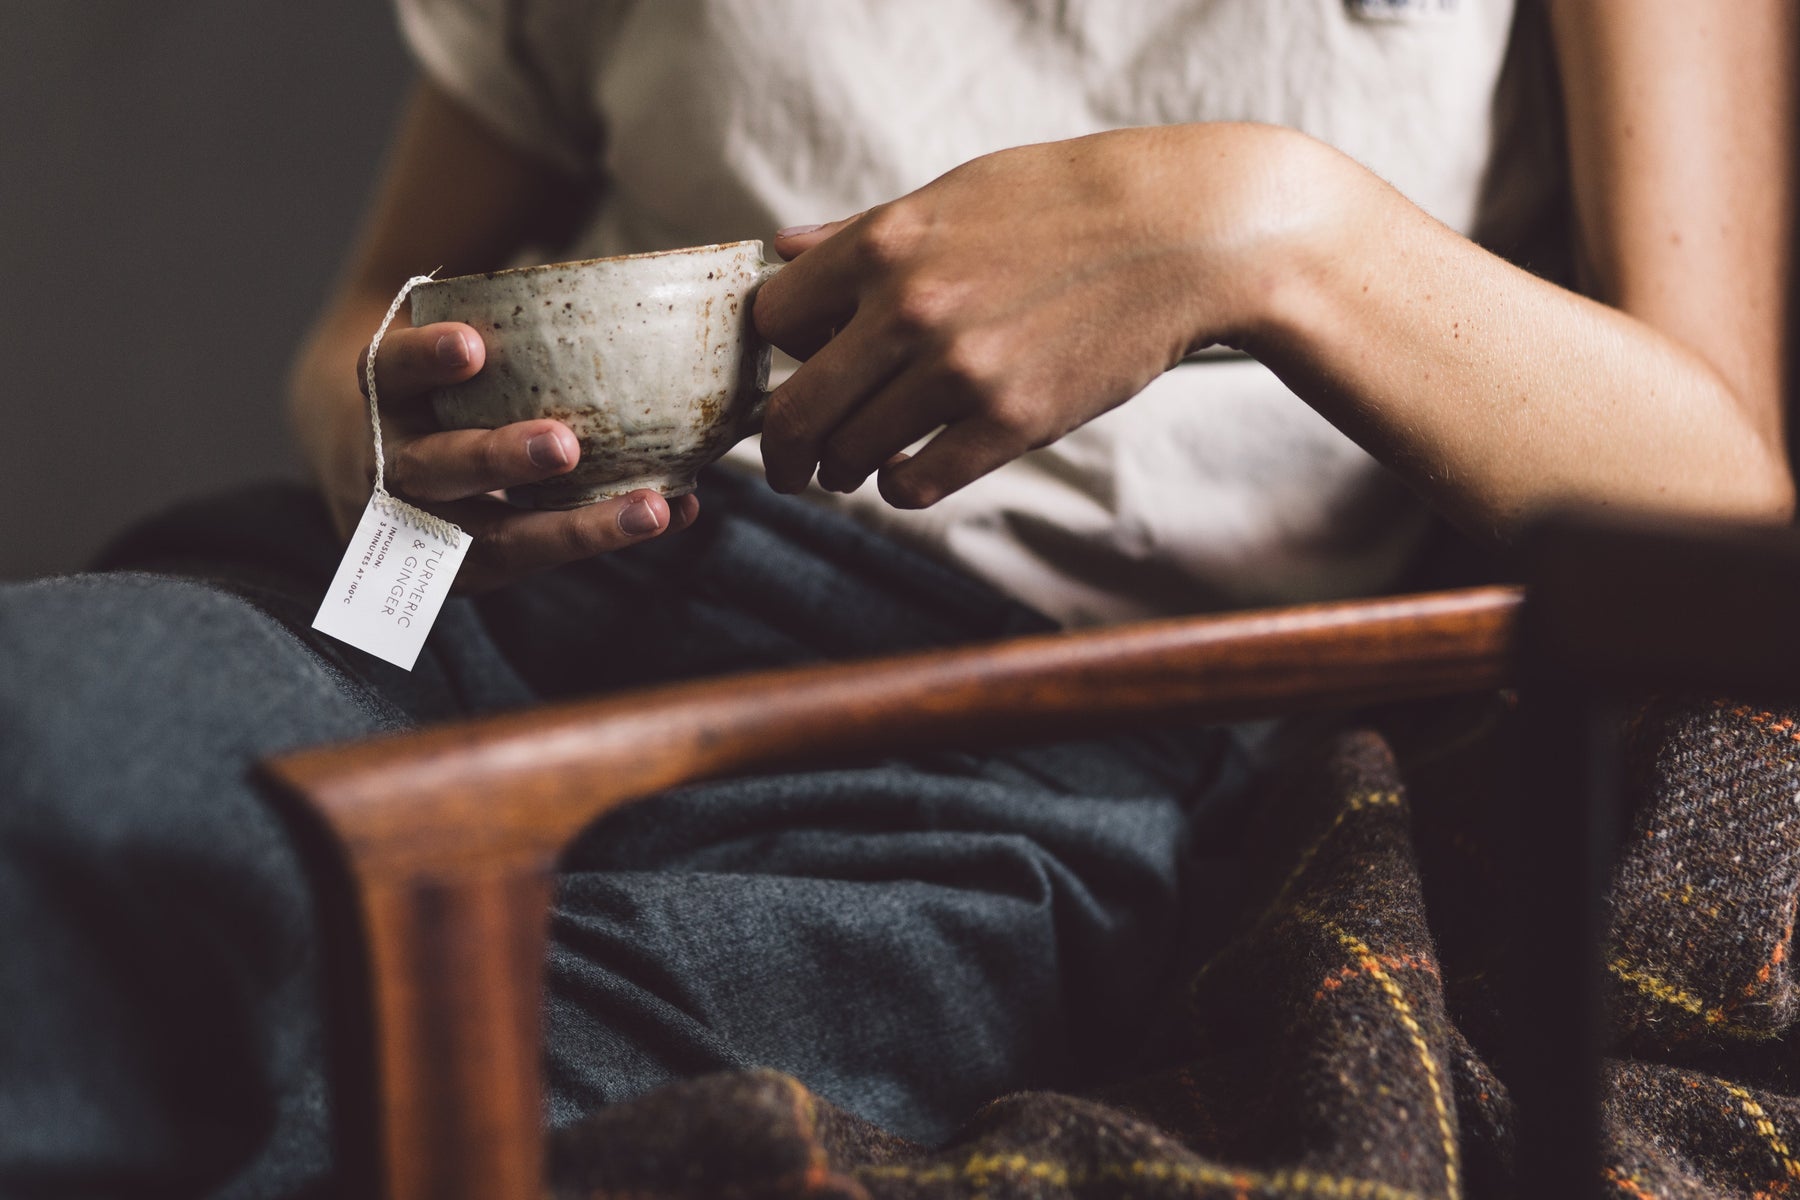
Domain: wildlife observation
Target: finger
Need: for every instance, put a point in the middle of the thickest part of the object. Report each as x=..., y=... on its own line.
x=910, y=406
x=413, y=361
x=510, y=543
x=804, y=411
x=955, y=458
x=460, y=463
x=815, y=294
x=683, y=512
x=796, y=240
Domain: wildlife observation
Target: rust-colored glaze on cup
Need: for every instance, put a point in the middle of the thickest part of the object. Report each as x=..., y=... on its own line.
x=651, y=360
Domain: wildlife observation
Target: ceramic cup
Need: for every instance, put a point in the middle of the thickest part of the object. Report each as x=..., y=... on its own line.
x=651, y=360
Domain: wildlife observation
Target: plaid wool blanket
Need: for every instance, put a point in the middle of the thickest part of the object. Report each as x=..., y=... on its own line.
x=1341, y=1043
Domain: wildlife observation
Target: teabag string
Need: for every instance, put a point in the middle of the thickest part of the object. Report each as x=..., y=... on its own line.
x=397, y=571
x=396, y=507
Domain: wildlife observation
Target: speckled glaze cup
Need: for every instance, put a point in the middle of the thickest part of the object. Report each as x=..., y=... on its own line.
x=651, y=360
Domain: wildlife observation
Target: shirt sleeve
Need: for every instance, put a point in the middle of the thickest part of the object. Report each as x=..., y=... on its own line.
x=521, y=67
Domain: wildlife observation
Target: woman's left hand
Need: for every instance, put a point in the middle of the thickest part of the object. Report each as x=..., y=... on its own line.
x=1029, y=291
x=1012, y=300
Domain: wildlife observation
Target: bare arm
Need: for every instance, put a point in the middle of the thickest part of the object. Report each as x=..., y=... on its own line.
x=455, y=197
x=1498, y=394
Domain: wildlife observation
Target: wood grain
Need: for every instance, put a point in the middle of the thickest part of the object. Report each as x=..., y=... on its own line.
x=427, y=800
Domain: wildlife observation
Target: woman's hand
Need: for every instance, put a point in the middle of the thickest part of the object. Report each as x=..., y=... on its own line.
x=1029, y=291
x=458, y=197
x=454, y=474
x=1013, y=299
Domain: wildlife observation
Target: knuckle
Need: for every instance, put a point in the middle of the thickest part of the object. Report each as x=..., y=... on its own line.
x=888, y=236
x=583, y=538
x=494, y=460
x=499, y=551
x=973, y=366
x=788, y=420
x=771, y=310
x=1012, y=413
x=514, y=549
x=919, y=307
x=405, y=470
x=573, y=540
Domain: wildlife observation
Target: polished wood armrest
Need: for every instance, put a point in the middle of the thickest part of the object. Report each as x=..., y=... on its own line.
x=436, y=848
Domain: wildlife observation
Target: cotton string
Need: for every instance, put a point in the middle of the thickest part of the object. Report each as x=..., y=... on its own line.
x=388, y=503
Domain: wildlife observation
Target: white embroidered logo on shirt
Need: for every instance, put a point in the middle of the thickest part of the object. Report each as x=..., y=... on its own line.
x=1402, y=10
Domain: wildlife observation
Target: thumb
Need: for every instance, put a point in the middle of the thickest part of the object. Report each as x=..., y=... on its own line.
x=796, y=240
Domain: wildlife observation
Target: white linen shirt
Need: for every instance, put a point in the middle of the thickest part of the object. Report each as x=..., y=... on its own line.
x=715, y=120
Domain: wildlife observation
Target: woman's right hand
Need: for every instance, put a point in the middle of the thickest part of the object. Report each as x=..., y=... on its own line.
x=457, y=196
x=457, y=474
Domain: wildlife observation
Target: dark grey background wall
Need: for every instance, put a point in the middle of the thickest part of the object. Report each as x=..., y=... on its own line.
x=178, y=182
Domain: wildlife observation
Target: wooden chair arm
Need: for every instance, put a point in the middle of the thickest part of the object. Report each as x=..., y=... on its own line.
x=446, y=838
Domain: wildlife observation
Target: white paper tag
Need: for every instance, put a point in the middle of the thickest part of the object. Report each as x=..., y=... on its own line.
x=393, y=580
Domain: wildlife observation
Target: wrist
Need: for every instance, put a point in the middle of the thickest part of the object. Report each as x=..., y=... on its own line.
x=1272, y=232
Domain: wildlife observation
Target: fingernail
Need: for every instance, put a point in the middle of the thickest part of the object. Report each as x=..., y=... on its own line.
x=546, y=452
x=639, y=519
x=452, y=352
x=796, y=230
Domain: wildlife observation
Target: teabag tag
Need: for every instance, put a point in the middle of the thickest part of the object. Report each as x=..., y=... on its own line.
x=392, y=582
x=400, y=562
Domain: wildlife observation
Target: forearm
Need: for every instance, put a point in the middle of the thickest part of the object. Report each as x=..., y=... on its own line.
x=1497, y=393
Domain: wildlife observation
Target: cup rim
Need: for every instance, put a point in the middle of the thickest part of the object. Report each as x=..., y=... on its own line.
x=610, y=258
